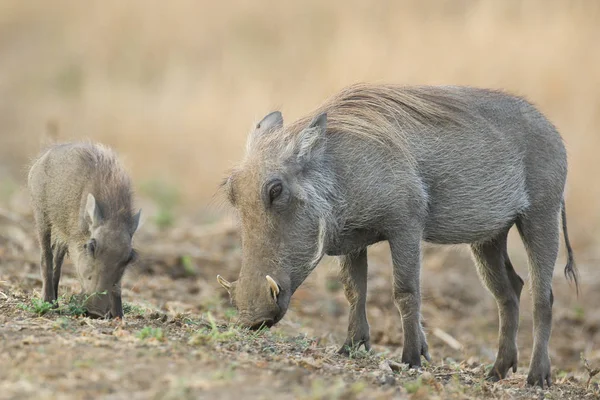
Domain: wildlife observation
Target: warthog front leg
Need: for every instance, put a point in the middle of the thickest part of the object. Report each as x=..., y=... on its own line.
x=498, y=275
x=60, y=250
x=44, y=236
x=406, y=257
x=354, y=277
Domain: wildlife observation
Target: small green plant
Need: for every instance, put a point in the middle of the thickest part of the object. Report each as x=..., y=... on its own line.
x=579, y=313
x=73, y=307
x=357, y=352
x=213, y=334
x=188, y=265
x=74, y=304
x=37, y=306
x=230, y=313
x=164, y=218
x=302, y=342
x=133, y=309
x=562, y=374
x=149, y=332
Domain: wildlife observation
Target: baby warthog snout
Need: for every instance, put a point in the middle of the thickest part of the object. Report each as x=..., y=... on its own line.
x=104, y=305
x=267, y=323
x=97, y=306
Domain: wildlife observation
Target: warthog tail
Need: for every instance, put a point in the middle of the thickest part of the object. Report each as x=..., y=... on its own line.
x=570, y=269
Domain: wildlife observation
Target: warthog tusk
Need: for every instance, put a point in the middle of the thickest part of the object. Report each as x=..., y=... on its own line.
x=274, y=287
x=226, y=284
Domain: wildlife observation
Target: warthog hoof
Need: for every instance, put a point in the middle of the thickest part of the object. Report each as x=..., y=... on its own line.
x=504, y=362
x=539, y=373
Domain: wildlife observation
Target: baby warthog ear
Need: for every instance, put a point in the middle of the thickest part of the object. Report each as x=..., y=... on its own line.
x=307, y=146
x=273, y=286
x=92, y=210
x=135, y=224
x=224, y=282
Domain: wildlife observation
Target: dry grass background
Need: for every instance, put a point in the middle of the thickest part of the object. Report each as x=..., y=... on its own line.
x=175, y=86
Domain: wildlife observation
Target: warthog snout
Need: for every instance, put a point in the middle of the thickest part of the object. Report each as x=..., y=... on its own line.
x=104, y=306
x=97, y=306
x=264, y=306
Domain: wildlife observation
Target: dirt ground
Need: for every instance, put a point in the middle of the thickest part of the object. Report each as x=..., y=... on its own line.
x=178, y=338
x=175, y=88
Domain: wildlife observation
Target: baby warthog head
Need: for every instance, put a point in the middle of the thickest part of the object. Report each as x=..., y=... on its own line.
x=102, y=260
x=281, y=193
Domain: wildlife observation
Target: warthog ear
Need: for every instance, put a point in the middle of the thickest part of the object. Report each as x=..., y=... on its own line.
x=135, y=223
x=270, y=122
x=93, y=210
x=310, y=137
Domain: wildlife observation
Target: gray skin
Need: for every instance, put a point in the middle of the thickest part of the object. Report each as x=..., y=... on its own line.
x=446, y=165
x=81, y=199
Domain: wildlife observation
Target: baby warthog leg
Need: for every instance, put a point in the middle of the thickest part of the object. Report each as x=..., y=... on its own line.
x=44, y=236
x=60, y=251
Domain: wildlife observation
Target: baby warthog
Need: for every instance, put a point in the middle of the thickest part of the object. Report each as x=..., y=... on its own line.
x=81, y=198
x=445, y=164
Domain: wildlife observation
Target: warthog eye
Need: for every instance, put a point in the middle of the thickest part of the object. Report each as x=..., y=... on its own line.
x=275, y=190
x=90, y=247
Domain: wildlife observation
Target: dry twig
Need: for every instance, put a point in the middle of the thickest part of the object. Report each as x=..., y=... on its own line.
x=591, y=372
x=448, y=339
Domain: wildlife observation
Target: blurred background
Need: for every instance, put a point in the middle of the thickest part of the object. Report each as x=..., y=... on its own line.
x=175, y=87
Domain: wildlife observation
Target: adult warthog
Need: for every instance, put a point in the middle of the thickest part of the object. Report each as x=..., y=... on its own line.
x=446, y=165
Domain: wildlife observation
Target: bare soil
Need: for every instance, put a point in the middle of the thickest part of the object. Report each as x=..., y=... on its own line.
x=178, y=338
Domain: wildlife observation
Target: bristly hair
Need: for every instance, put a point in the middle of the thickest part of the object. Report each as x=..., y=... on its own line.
x=113, y=185
x=384, y=113
x=223, y=183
